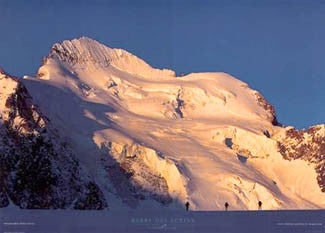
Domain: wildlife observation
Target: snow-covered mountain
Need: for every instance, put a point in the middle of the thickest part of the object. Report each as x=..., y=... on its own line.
x=37, y=169
x=143, y=137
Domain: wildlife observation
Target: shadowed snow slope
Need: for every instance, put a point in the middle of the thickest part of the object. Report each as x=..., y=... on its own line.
x=37, y=168
x=150, y=137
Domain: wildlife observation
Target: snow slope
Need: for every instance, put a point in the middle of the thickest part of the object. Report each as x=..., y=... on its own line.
x=151, y=137
x=38, y=170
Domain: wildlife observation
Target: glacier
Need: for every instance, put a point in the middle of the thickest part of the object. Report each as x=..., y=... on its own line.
x=147, y=138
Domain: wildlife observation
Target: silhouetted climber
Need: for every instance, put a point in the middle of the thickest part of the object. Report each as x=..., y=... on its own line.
x=187, y=205
x=226, y=206
x=259, y=205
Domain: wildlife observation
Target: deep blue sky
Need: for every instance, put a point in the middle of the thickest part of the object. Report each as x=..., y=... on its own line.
x=276, y=46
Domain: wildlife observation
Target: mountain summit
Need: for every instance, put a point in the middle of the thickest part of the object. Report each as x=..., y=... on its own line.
x=144, y=138
x=88, y=53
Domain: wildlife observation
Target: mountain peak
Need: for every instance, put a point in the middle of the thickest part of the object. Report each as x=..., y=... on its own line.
x=97, y=71
x=86, y=52
x=2, y=71
x=140, y=134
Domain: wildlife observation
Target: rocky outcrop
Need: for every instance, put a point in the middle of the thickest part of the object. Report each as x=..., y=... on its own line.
x=268, y=107
x=308, y=145
x=37, y=168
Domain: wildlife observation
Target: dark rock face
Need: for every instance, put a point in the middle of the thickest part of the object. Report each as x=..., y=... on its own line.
x=74, y=56
x=62, y=54
x=37, y=169
x=90, y=199
x=268, y=107
x=20, y=105
x=180, y=105
x=308, y=145
x=43, y=175
x=4, y=201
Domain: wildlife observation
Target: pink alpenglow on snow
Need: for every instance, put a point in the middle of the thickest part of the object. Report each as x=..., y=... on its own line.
x=117, y=133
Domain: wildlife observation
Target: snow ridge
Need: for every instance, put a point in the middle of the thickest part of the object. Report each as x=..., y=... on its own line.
x=147, y=138
x=85, y=51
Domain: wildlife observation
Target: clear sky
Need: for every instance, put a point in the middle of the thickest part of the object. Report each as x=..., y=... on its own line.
x=276, y=46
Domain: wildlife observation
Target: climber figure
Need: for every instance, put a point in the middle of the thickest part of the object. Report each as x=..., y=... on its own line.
x=226, y=206
x=259, y=205
x=187, y=205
